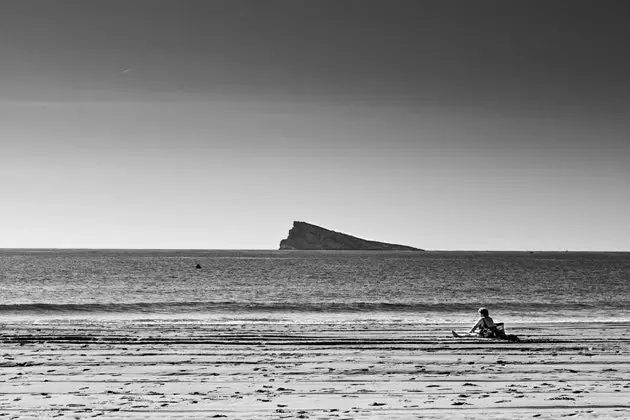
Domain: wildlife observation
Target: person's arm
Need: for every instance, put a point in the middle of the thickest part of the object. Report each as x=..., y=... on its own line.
x=477, y=325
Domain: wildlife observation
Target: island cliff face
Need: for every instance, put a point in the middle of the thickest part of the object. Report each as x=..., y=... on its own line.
x=306, y=236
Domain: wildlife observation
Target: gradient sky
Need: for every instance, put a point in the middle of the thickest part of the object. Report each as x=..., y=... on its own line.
x=485, y=125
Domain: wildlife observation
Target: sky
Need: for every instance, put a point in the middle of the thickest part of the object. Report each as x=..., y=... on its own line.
x=445, y=125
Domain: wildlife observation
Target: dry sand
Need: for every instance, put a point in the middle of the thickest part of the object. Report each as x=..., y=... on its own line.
x=138, y=369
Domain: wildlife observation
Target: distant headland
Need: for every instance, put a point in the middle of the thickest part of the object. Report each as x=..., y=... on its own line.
x=305, y=236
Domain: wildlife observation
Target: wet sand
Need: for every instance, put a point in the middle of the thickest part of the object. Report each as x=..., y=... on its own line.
x=114, y=369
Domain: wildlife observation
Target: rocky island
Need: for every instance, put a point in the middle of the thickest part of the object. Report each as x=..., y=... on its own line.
x=305, y=236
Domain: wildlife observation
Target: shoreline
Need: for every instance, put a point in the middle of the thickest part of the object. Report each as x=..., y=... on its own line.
x=455, y=320
x=158, y=370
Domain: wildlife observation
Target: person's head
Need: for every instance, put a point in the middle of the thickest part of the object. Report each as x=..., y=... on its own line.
x=483, y=312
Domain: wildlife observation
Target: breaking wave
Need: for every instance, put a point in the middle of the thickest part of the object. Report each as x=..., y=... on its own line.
x=283, y=307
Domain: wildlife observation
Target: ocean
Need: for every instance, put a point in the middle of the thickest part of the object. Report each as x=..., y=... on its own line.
x=314, y=286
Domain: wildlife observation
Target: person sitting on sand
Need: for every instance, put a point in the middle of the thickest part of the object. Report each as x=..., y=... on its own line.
x=486, y=326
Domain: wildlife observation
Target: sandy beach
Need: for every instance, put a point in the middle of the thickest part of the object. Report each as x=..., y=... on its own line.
x=144, y=369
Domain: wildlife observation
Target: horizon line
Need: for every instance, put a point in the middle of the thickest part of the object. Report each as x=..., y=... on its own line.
x=309, y=250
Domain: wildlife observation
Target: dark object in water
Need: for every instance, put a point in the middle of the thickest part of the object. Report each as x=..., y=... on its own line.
x=198, y=266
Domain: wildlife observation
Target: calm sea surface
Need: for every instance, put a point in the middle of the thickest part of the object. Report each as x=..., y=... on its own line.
x=304, y=286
